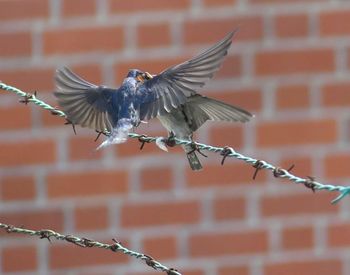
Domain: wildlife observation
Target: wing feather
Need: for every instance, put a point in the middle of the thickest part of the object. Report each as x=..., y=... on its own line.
x=83, y=102
x=177, y=83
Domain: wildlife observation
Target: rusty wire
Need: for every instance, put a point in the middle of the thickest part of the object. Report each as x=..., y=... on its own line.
x=116, y=246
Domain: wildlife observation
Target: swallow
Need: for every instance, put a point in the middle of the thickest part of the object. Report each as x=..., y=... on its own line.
x=171, y=96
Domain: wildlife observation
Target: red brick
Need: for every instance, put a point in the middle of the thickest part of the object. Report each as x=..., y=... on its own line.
x=223, y=176
x=153, y=35
x=152, y=214
x=19, y=258
x=298, y=204
x=87, y=184
x=84, y=148
x=220, y=244
x=153, y=66
x=121, y=6
x=17, y=188
x=335, y=22
x=68, y=256
x=230, y=135
x=291, y=25
x=78, y=8
x=302, y=165
x=236, y=270
x=34, y=219
x=31, y=152
x=29, y=9
x=319, y=267
x=91, y=218
x=283, y=62
x=91, y=72
x=15, y=44
x=336, y=95
x=229, y=208
x=338, y=235
x=292, y=97
x=48, y=120
x=211, y=31
x=231, y=67
x=337, y=165
x=297, y=238
x=303, y=132
x=247, y=98
x=159, y=178
x=15, y=117
x=94, y=39
x=219, y=3
x=29, y=79
x=284, y=1
x=161, y=247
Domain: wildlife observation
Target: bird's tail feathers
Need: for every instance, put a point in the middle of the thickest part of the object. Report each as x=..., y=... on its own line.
x=192, y=158
x=119, y=133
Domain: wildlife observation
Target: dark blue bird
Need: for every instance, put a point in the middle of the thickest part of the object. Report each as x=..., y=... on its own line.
x=171, y=96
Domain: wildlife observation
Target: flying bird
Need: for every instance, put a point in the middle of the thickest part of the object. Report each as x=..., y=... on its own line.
x=171, y=96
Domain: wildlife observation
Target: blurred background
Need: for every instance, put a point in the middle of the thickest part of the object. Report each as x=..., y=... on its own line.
x=289, y=65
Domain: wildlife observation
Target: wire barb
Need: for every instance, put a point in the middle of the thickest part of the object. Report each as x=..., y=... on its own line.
x=27, y=98
x=309, y=183
x=68, y=122
x=223, y=151
x=258, y=165
x=143, y=139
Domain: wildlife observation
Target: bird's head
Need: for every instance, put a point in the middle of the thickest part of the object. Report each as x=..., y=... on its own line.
x=139, y=75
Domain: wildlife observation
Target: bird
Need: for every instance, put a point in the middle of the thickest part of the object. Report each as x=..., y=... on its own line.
x=170, y=96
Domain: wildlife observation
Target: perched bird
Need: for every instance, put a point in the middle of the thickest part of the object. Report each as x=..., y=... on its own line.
x=171, y=96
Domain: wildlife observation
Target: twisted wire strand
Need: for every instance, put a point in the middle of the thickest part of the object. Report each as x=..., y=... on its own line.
x=87, y=243
x=224, y=151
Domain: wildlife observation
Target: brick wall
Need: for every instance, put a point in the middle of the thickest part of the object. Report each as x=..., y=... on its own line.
x=289, y=65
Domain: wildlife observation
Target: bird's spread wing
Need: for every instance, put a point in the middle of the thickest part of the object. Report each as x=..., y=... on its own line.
x=199, y=109
x=172, y=87
x=84, y=103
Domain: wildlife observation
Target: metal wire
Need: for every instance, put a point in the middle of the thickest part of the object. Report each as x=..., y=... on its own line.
x=226, y=151
x=87, y=243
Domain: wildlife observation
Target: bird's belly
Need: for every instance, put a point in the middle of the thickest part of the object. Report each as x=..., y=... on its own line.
x=175, y=122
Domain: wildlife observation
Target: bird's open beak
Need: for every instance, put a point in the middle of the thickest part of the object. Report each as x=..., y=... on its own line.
x=140, y=78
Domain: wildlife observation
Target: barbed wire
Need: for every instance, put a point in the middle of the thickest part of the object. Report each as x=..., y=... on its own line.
x=225, y=152
x=116, y=246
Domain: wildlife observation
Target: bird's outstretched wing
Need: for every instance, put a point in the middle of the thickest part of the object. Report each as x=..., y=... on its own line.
x=172, y=87
x=84, y=103
x=198, y=109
